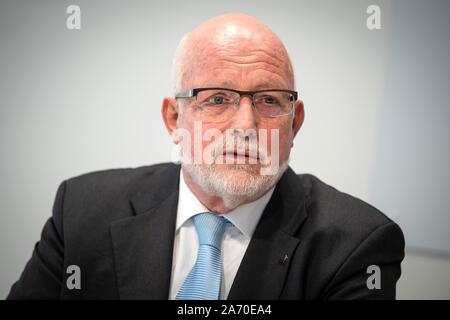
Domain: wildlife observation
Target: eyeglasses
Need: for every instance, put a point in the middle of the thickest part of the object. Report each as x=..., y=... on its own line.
x=220, y=104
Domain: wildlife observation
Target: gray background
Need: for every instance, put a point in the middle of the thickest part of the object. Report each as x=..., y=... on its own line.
x=377, y=107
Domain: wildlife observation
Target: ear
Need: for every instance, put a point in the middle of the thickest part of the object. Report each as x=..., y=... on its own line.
x=299, y=116
x=169, y=112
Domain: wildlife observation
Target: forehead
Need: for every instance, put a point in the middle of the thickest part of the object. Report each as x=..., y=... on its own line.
x=232, y=84
x=237, y=62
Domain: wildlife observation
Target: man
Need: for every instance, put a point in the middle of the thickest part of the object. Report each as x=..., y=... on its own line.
x=233, y=221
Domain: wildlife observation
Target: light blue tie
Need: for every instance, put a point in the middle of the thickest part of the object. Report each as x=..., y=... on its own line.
x=203, y=282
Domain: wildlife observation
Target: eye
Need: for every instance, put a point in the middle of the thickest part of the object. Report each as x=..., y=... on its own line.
x=216, y=100
x=270, y=100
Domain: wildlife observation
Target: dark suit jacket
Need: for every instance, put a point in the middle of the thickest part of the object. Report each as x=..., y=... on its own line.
x=312, y=242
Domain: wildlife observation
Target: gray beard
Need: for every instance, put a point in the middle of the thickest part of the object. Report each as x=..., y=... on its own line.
x=233, y=191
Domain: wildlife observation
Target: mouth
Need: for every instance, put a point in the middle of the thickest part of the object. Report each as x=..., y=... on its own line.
x=245, y=155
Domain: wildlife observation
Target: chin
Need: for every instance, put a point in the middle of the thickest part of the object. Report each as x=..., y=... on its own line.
x=241, y=170
x=234, y=183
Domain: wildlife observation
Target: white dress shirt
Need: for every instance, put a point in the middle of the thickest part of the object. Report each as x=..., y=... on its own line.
x=236, y=237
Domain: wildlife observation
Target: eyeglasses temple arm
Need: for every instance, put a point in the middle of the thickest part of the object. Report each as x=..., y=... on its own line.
x=185, y=94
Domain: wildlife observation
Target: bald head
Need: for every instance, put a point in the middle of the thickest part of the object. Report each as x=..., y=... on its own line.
x=226, y=41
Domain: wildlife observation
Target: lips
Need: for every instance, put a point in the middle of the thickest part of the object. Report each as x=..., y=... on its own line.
x=235, y=154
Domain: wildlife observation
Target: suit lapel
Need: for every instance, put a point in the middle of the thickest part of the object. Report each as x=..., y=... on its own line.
x=266, y=262
x=143, y=243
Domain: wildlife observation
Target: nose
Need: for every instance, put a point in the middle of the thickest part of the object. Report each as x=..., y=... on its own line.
x=244, y=118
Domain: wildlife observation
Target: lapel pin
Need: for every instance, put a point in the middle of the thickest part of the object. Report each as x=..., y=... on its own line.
x=285, y=258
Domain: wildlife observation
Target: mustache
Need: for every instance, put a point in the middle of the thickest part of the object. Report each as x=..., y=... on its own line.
x=240, y=146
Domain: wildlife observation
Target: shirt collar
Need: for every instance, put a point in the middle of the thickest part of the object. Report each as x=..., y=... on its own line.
x=244, y=217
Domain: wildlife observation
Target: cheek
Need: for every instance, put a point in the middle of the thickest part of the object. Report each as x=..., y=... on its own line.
x=185, y=133
x=280, y=143
x=200, y=136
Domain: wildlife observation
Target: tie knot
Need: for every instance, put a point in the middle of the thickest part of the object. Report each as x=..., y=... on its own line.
x=210, y=228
